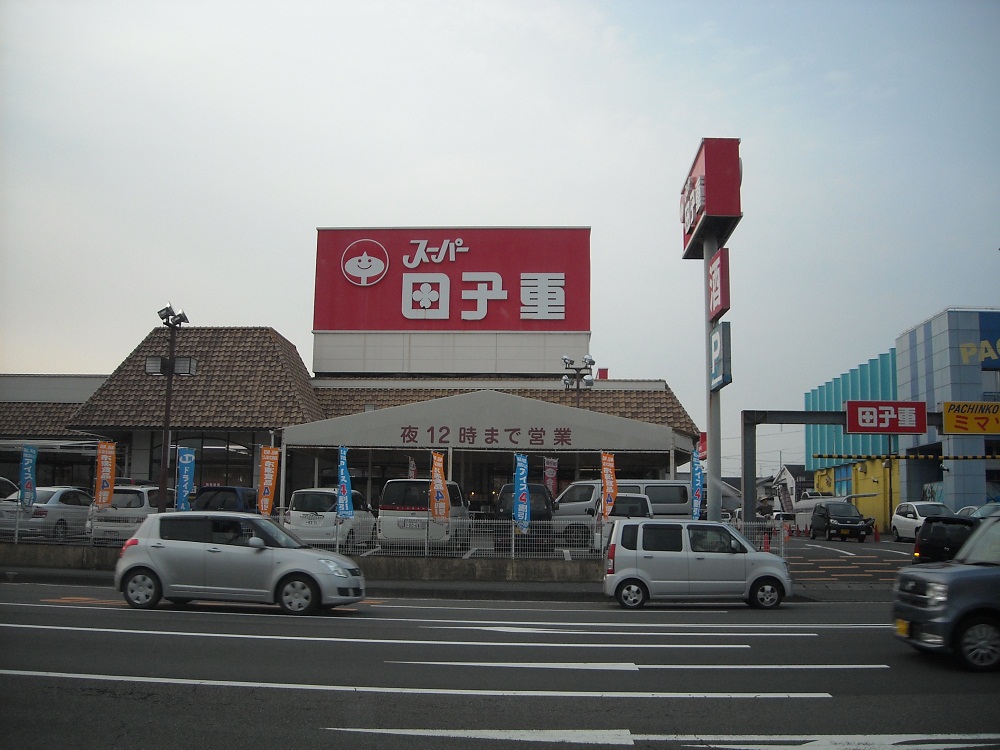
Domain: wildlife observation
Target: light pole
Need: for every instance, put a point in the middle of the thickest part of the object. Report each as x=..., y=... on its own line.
x=167, y=366
x=583, y=375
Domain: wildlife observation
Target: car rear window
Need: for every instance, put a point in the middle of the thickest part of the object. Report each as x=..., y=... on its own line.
x=667, y=494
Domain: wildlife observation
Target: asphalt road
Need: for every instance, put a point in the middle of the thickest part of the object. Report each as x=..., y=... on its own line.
x=79, y=668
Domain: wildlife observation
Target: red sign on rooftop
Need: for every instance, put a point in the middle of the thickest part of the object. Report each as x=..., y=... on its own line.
x=710, y=198
x=887, y=417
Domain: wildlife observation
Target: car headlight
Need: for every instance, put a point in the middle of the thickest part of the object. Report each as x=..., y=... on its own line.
x=937, y=594
x=335, y=568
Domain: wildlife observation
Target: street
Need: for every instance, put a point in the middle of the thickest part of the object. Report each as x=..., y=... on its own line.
x=78, y=667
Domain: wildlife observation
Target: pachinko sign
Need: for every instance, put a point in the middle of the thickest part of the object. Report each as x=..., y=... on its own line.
x=439, y=502
x=471, y=279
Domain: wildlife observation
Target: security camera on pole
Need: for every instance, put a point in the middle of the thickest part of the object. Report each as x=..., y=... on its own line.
x=710, y=211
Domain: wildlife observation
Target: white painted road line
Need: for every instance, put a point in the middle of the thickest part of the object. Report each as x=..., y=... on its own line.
x=631, y=667
x=603, y=695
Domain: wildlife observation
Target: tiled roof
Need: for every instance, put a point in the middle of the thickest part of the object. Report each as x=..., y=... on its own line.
x=247, y=379
x=37, y=420
x=658, y=406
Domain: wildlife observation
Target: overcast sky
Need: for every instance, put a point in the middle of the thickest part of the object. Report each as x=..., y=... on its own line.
x=187, y=151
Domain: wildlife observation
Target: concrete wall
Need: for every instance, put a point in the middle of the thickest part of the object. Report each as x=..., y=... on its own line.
x=374, y=568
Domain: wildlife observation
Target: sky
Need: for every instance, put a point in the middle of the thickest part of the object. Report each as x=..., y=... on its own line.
x=187, y=151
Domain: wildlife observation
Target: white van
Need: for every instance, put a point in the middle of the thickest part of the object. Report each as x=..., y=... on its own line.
x=574, y=519
x=404, y=516
x=312, y=517
x=683, y=559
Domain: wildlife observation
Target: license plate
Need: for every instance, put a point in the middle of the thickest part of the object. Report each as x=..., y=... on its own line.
x=310, y=521
x=844, y=532
x=412, y=523
x=903, y=628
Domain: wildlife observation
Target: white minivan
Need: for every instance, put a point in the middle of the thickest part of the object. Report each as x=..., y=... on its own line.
x=404, y=516
x=312, y=517
x=574, y=520
x=684, y=559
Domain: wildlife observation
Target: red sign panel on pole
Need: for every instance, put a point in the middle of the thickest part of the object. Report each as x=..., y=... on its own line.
x=710, y=198
x=887, y=417
x=453, y=279
x=718, y=285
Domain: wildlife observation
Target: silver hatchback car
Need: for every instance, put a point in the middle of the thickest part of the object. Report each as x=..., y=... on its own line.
x=229, y=556
x=682, y=559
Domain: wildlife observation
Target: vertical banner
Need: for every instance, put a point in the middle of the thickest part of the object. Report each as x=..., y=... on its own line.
x=412, y=470
x=551, y=475
x=185, y=478
x=29, y=457
x=609, y=485
x=345, y=504
x=104, y=484
x=522, y=503
x=269, y=457
x=439, y=502
x=697, y=485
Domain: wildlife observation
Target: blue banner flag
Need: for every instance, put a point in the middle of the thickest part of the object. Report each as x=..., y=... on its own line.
x=522, y=501
x=697, y=485
x=345, y=505
x=29, y=457
x=185, y=477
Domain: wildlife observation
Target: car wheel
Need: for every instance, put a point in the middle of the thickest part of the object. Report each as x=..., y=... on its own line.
x=895, y=535
x=631, y=594
x=978, y=644
x=298, y=595
x=812, y=533
x=765, y=594
x=829, y=536
x=142, y=589
x=916, y=532
x=61, y=531
x=861, y=539
x=577, y=536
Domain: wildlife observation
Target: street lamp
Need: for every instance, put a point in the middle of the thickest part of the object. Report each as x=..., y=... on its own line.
x=583, y=375
x=168, y=366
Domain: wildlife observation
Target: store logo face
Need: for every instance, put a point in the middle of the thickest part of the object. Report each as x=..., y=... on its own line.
x=365, y=263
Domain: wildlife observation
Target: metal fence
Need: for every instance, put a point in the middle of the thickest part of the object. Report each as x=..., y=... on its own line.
x=472, y=539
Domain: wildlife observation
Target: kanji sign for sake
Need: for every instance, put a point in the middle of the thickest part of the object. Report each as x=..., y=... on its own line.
x=457, y=279
x=886, y=417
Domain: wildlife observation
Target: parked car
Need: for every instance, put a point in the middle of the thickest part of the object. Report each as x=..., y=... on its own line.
x=542, y=505
x=7, y=487
x=130, y=504
x=954, y=606
x=839, y=520
x=236, y=557
x=312, y=517
x=59, y=513
x=682, y=559
x=908, y=518
x=940, y=537
x=211, y=497
x=404, y=516
x=626, y=506
x=979, y=511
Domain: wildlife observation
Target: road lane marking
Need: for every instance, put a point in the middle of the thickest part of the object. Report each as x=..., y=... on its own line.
x=380, y=641
x=631, y=667
x=623, y=737
x=494, y=693
x=567, y=631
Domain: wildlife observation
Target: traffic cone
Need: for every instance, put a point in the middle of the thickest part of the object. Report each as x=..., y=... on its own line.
x=877, y=540
x=767, y=542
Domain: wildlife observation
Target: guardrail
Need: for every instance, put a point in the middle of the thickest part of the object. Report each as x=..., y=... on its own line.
x=471, y=539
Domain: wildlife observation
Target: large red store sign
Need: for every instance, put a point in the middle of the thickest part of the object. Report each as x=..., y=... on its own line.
x=710, y=198
x=887, y=417
x=434, y=279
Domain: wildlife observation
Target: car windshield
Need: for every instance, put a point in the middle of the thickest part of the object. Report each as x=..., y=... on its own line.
x=985, y=510
x=933, y=509
x=275, y=535
x=630, y=506
x=983, y=547
x=844, y=510
x=314, y=502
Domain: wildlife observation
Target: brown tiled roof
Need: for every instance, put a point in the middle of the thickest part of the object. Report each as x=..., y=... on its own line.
x=247, y=379
x=658, y=406
x=37, y=420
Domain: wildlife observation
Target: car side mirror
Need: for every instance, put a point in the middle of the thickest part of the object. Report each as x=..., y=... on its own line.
x=256, y=542
x=735, y=546
x=555, y=505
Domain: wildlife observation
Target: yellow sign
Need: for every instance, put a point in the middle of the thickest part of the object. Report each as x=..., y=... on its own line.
x=971, y=418
x=440, y=503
